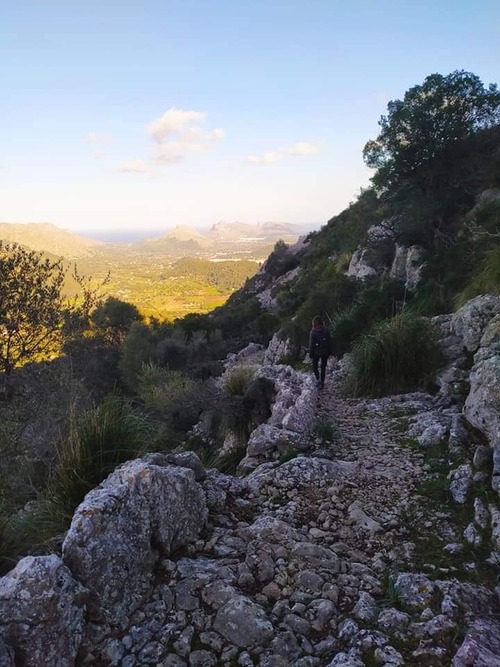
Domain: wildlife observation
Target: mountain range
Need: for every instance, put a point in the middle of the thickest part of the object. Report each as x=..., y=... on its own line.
x=223, y=238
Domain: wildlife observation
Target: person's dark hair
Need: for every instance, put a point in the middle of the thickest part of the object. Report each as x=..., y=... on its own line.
x=317, y=321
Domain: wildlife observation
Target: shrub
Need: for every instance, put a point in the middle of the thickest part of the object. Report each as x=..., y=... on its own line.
x=137, y=349
x=396, y=355
x=374, y=301
x=238, y=379
x=98, y=441
x=172, y=354
x=173, y=394
x=325, y=430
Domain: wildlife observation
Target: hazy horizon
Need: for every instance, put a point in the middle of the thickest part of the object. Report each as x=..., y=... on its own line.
x=132, y=235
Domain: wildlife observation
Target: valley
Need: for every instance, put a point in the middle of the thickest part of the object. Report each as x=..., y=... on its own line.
x=166, y=277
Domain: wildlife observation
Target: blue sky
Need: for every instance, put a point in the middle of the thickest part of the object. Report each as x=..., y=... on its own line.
x=126, y=114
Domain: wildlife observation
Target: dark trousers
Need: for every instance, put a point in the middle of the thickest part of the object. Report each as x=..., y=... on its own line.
x=316, y=360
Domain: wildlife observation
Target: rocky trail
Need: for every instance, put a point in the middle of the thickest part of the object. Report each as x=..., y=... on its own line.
x=359, y=532
x=321, y=560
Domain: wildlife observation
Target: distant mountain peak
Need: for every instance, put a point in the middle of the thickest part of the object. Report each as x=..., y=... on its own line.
x=46, y=237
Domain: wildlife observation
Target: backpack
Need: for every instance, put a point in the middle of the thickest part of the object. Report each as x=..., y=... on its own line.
x=321, y=342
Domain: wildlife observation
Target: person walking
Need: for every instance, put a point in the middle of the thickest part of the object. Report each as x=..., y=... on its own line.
x=320, y=348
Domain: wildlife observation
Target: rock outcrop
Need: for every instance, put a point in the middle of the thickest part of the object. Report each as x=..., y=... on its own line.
x=382, y=255
x=117, y=534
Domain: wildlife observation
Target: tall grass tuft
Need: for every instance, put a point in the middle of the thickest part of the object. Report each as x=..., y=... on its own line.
x=396, y=355
x=238, y=380
x=97, y=442
x=485, y=281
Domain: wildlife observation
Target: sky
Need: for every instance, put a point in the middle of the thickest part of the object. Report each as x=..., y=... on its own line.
x=121, y=115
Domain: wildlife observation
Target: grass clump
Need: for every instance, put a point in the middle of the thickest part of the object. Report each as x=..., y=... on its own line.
x=325, y=430
x=485, y=281
x=397, y=355
x=392, y=596
x=237, y=380
x=98, y=441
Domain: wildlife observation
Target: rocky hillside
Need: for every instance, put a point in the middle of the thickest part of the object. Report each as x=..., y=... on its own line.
x=364, y=532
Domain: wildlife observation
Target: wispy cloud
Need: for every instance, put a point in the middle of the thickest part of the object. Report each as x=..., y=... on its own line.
x=300, y=149
x=134, y=167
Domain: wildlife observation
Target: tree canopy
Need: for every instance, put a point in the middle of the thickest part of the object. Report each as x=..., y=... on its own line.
x=431, y=116
x=114, y=317
x=34, y=311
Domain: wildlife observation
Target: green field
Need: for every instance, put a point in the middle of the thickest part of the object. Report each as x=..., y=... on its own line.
x=166, y=289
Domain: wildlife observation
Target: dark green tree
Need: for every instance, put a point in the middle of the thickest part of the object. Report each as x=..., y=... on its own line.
x=35, y=314
x=432, y=116
x=113, y=319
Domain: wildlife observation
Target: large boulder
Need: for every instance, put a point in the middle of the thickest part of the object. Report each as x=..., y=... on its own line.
x=42, y=611
x=470, y=321
x=481, y=646
x=298, y=472
x=117, y=534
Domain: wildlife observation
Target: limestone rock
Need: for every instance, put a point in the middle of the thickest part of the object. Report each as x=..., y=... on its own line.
x=481, y=646
x=113, y=540
x=416, y=590
x=298, y=472
x=461, y=483
x=278, y=348
x=482, y=406
x=470, y=321
x=42, y=612
x=243, y=623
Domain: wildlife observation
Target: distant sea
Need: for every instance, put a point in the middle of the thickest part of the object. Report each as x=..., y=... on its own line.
x=133, y=235
x=124, y=236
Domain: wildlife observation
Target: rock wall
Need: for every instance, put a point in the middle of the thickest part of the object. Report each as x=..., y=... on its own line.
x=382, y=255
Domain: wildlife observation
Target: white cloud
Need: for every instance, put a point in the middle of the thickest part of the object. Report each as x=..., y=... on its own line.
x=303, y=148
x=179, y=133
x=134, y=166
x=300, y=149
x=174, y=121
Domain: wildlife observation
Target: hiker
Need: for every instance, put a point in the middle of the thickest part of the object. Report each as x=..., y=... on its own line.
x=320, y=348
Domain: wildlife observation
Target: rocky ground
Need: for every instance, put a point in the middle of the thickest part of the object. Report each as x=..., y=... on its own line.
x=376, y=542
x=351, y=555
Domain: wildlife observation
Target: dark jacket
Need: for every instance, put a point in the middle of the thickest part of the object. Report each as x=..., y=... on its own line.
x=320, y=342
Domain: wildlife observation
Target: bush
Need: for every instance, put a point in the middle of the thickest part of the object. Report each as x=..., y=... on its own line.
x=374, y=301
x=238, y=379
x=397, y=355
x=172, y=354
x=137, y=349
x=172, y=394
x=98, y=441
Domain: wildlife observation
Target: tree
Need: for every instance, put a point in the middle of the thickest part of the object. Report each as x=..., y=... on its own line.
x=431, y=117
x=114, y=317
x=34, y=311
